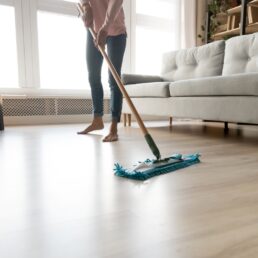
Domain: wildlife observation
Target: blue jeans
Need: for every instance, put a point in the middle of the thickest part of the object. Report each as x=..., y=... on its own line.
x=115, y=49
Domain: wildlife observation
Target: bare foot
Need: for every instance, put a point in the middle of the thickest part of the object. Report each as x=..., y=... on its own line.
x=97, y=124
x=112, y=136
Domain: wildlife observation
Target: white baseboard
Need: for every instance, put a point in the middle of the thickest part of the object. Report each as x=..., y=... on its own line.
x=44, y=120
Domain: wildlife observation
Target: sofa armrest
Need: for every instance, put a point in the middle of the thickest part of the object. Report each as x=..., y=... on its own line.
x=138, y=78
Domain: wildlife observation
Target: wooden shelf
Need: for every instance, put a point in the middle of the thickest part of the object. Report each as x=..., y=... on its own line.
x=253, y=3
x=221, y=15
x=231, y=24
x=234, y=10
x=223, y=34
x=221, y=28
x=252, y=14
x=252, y=28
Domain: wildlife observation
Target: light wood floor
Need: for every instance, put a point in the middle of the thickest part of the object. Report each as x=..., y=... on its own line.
x=60, y=199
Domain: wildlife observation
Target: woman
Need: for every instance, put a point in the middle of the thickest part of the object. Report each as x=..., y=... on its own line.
x=107, y=19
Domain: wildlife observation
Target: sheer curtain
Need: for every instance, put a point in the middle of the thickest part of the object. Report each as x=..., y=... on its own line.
x=161, y=26
x=188, y=23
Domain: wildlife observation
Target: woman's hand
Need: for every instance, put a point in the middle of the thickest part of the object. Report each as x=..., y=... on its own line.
x=87, y=16
x=101, y=37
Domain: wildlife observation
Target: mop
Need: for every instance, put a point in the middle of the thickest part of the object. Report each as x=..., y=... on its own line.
x=150, y=167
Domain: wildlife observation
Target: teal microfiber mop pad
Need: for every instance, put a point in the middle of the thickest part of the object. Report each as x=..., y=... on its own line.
x=150, y=168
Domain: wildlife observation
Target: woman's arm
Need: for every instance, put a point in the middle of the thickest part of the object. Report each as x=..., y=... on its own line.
x=85, y=2
x=87, y=16
x=114, y=7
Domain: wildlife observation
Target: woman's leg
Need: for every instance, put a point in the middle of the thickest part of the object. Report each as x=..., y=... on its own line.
x=94, y=64
x=116, y=48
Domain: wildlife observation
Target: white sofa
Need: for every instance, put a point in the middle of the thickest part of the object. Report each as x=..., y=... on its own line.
x=214, y=82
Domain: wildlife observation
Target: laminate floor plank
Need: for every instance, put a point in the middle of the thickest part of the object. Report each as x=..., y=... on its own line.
x=59, y=197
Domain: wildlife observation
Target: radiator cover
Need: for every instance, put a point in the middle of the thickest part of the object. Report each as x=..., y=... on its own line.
x=48, y=109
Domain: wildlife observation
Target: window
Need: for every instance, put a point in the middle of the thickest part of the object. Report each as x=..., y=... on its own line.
x=155, y=8
x=62, y=57
x=61, y=46
x=43, y=45
x=8, y=48
x=62, y=41
x=157, y=25
x=149, y=49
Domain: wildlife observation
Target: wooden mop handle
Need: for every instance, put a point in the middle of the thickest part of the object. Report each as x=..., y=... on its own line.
x=117, y=78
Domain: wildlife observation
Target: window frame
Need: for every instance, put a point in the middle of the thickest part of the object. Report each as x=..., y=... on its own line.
x=16, y=4
x=27, y=42
x=28, y=45
x=53, y=6
x=148, y=22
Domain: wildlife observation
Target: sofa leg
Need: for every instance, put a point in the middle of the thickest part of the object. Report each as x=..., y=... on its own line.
x=129, y=119
x=125, y=119
x=170, y=121
x=226, y=127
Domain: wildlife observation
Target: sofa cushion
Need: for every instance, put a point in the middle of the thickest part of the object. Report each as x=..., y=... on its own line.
x=154, y=89
x=139, y=78
x=231, y=85
x=241, y=55
x=195, y=62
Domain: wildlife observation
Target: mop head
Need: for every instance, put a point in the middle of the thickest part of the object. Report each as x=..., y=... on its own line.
x=150, y=168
